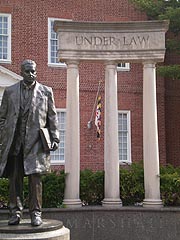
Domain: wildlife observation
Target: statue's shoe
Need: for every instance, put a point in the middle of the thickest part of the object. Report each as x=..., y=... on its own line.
x=36, y=221
x=14, y=219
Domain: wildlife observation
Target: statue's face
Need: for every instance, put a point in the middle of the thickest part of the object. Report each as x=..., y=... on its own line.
x=29, y=73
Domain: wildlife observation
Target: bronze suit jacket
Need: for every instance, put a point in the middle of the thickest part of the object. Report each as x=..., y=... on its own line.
x=42, y=113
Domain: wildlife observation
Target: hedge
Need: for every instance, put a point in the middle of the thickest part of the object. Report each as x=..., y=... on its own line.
x=92, y=187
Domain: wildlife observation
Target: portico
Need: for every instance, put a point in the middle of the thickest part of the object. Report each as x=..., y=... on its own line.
x=112, y=43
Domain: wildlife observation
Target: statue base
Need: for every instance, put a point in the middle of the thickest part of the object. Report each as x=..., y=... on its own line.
x=49, y=230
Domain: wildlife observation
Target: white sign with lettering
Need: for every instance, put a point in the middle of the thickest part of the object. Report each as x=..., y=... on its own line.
x=134, y=41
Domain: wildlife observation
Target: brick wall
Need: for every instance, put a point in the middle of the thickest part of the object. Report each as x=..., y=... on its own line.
x=172, y=112
x=29, y=40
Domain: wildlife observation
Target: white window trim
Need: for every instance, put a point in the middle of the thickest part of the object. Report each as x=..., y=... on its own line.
x=124, y=69
x=58, y=162
x=62, y=65
x=9, y=38
x=129, y=161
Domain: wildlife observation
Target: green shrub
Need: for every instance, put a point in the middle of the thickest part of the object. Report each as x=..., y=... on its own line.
x=92, y=187
x=4, y=193
x=53, y=189
x=132, y=184
x=25, y=193
x=170, y=185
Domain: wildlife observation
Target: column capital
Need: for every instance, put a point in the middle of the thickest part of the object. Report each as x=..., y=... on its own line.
x=113, y=64
x=149, y=64
x=72, y=62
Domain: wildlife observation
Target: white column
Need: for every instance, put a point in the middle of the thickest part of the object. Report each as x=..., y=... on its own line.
x=72, y=142
x=150, y=138
x=111, y=153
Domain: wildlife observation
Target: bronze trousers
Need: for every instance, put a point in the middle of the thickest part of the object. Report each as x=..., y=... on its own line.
x=16, y=176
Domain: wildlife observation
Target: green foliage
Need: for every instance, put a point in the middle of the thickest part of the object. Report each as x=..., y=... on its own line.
x=152, y=8
x=170, y=71
x=170, y=185
x=92, y=187
x=132, y=184
x=25, y=193
x=4, y=190
x=173, y=14
x=168, y=169
x=173, y=45
x=165, y=10
x=159, y=9
x=53, y=189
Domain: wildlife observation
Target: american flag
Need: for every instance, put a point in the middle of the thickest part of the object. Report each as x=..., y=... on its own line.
x=98, y=117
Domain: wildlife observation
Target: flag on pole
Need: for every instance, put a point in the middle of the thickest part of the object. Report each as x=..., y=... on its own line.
x=98, y=117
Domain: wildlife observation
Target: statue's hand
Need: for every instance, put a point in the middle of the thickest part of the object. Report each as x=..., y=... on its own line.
x=54, y=146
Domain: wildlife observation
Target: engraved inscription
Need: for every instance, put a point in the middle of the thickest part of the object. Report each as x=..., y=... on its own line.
x=128, y=226
x=72, y=223
x=135, y=40
x=97, y=41
x=87, y=223
x=100, y=223
x=141, y=40
x=125, y=41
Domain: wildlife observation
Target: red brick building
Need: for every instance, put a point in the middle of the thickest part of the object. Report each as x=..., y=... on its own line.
x=26, y=33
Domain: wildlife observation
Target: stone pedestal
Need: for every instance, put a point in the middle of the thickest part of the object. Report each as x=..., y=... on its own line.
x=49, y=230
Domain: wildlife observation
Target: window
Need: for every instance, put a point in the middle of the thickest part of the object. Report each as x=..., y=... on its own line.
x=124, y=136
x=5, y=37
x=123, y=67
x=58, y=157
x=53, y=45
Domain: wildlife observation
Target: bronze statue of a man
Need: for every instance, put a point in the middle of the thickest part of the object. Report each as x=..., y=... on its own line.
x=26, y=107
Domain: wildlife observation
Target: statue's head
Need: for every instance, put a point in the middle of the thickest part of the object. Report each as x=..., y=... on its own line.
x=28, y=71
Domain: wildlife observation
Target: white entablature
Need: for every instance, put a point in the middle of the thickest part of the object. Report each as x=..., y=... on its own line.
x=120, y=41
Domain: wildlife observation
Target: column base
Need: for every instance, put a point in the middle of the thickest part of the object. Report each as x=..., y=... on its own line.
x=153, y=203
x=111, y=202
x=72, y=203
